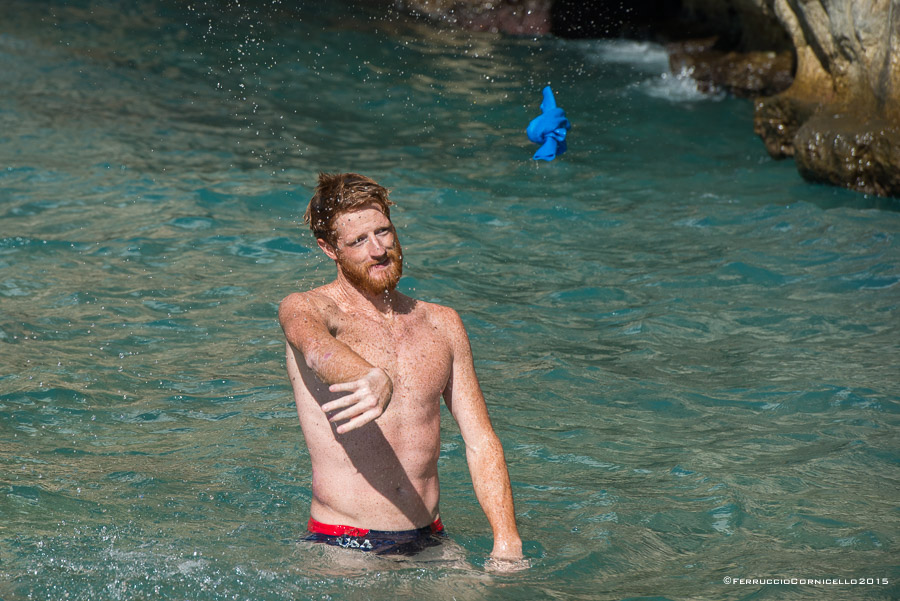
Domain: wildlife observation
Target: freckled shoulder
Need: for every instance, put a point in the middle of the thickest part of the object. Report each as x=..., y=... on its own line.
x=446, y=320
x=315, y=303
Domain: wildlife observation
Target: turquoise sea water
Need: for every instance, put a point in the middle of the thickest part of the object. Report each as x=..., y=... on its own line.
x=689, y=353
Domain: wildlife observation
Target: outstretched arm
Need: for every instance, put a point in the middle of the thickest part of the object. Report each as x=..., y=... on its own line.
x=484, y=453
x=304, y=320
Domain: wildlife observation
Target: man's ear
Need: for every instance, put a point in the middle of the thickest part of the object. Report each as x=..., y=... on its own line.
x=327, y=248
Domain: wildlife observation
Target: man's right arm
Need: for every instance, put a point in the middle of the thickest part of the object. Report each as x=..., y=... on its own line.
x=304, y=320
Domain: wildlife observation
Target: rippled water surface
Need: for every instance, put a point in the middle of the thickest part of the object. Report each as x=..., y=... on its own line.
x=689, y=353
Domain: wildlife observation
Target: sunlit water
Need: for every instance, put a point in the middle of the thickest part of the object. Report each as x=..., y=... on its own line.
x=689, y=353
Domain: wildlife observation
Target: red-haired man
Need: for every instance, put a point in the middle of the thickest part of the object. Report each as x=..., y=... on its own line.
x=369, y=366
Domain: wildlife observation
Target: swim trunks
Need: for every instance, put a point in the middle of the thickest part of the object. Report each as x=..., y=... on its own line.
x=379, y=542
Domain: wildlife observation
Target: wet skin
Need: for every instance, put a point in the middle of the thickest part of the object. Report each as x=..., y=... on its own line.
x=368, y=368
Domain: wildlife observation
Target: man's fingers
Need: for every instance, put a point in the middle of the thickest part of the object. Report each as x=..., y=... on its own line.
x=362, y=404
x=345, y=401
x=346, y=386
x=498, y=564
x=349, y=412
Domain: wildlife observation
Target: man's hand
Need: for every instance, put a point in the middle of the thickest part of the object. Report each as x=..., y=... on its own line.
x=506, y=566
x=366, y=400
x=508, y=548
x=507, y=556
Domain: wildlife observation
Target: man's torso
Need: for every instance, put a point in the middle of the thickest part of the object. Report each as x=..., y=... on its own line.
x=384, y=475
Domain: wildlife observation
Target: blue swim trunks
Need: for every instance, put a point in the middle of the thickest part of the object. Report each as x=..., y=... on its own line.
x=379, y=542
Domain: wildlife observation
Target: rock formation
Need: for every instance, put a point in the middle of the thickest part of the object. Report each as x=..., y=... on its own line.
x=840, y=119
x=744, y=73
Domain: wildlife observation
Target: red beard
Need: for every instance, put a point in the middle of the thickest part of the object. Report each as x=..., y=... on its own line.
x=363, y=280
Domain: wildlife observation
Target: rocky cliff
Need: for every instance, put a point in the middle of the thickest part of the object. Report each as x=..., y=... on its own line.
x=840, y=118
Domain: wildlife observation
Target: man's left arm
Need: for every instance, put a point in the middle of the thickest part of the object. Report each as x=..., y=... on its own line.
x=484, y=453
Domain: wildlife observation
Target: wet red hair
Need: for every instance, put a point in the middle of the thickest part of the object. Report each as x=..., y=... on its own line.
x=338, y=193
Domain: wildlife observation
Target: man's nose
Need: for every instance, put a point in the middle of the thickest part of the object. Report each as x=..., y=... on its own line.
x=376, y=248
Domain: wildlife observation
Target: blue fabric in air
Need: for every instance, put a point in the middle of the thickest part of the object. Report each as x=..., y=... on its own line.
x=549, y=129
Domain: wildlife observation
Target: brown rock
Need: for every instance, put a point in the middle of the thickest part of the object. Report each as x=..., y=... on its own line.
x=845, y=150
x=777, y=120
x=840, y=119
x=744, y=74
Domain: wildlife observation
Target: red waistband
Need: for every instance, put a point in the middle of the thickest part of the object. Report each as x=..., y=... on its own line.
x=320, y=528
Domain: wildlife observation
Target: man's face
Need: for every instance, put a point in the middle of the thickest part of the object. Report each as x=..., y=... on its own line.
x=367, y=250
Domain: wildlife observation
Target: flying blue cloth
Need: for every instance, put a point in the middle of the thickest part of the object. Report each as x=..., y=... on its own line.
x=549, y=129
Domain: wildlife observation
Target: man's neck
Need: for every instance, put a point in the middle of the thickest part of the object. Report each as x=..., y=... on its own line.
x=384, y=303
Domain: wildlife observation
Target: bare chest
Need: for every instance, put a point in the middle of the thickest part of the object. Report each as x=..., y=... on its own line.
x=413, y=351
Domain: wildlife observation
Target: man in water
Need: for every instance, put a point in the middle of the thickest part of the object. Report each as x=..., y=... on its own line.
x=369, y=366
